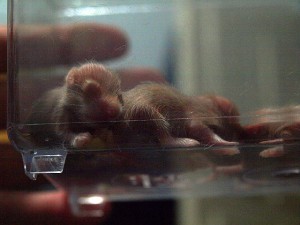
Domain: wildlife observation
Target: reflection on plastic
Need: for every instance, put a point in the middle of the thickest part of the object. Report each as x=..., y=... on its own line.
x=43, y=162
x=273, y=176
x=86, y=205
x=92, y=200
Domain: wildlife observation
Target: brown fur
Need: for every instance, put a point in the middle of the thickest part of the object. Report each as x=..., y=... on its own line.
x=158, y=113
x=72, y=113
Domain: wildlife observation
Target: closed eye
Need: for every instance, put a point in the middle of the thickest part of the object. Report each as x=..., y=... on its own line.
x=120, y=97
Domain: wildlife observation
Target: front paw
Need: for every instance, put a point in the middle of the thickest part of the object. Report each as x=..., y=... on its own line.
x=179, y=142
x=81, y=140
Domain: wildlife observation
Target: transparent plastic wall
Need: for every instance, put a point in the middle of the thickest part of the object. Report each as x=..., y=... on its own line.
x=156, y=99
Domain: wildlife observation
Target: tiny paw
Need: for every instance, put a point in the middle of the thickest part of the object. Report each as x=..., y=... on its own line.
x=81, y=140
x=180, y=142
x=273, y=152
x=217, y=140
x=273, y=141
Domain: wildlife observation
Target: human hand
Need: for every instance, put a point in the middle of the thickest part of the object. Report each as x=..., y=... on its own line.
x=274, y=127
x=17, y=204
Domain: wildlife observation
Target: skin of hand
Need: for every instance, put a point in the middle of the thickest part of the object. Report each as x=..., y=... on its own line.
x=19, y=202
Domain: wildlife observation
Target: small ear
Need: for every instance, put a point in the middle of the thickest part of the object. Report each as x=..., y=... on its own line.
x=71, y=77
x=91, y=89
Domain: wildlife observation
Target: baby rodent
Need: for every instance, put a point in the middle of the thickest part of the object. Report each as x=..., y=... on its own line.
x=71, y=114
x=91, y=100
x=160, y=114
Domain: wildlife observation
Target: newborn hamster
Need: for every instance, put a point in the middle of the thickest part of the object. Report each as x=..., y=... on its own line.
x=159, y=113
x=71, y=114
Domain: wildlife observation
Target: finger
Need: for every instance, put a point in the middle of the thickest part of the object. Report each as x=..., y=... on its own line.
x=41, y=208
x=3, y=48
x=82, y=42
x=3, y=97
x=13, y=176
x=40, y=46
x=134, y=76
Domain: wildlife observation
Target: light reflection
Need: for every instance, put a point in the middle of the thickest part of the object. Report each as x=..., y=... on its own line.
x=111, y=10
x=91, y=200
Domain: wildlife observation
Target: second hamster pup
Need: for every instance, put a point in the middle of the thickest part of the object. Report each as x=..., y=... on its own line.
x=158, y=113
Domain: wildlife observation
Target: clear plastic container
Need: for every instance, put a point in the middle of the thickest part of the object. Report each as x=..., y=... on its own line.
x=245, y=51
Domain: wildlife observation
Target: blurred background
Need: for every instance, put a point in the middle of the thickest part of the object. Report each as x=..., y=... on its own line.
x=246, y=51
x=241, y=58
